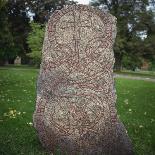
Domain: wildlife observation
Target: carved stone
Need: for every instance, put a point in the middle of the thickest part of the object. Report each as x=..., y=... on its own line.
x=75, y=107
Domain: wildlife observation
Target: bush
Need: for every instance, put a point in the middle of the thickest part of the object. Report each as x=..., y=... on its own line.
x=131, y=62
x=35, y=42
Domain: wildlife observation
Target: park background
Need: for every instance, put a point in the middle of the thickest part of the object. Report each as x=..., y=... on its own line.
x=22, y=27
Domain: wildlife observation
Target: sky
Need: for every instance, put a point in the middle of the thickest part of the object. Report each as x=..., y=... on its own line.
x=83, y=1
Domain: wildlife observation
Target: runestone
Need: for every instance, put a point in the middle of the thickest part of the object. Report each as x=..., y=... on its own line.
x=75, y=105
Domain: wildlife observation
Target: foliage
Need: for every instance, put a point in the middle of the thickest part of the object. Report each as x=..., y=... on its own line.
x=135, y=106
x=15, y=25
x=131, y=62
x=43, y=9
x=149, y=42
x=2, y=3
x=152, y=64
x=134, y=21
x=14, y=29
x=6, y=38
x=19, y=25
x=35, y=42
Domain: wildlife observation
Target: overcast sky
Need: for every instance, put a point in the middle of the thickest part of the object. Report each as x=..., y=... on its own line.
x=83, y=1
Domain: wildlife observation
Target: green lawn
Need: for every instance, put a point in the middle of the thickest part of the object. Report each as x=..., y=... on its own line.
x=136, y=107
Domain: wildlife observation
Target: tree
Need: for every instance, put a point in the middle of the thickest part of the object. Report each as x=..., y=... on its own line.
x=14, y=29
x=35, y=42
x=19, y=25
x=6, y=38
x=15, y=24
x=2, y=3
x=43, y=9
x=132, y=20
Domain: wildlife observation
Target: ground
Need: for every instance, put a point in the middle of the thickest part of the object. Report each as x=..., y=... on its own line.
x=135, y=104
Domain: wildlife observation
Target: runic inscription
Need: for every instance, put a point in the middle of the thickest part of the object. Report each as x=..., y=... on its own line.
x=75, y=107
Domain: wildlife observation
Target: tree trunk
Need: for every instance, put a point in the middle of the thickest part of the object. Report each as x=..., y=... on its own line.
x=1, y=62
x=118, y=61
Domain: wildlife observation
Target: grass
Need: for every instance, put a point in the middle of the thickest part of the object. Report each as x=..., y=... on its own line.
x=136, y=107
x=135, y=104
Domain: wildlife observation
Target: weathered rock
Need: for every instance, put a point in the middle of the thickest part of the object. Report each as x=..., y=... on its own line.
x=75, y=107
x=17, y=61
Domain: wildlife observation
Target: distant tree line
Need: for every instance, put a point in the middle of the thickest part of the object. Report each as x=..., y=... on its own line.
x=21, y=36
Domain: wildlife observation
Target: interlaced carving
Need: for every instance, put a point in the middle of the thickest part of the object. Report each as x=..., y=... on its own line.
x=75, y=108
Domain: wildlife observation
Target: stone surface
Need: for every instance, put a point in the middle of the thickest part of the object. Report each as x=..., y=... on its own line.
x=17, y=61
x=75, y=107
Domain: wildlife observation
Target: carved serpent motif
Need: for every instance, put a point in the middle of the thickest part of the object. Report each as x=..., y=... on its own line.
x=75, y=107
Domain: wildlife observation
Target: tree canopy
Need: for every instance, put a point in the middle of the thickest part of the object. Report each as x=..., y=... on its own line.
x=135, y=28
x=35, y=41
x=134, y=22
x=15, y=17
